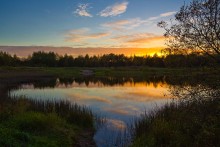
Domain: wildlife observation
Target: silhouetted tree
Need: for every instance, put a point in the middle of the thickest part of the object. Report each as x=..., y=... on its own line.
x=51, y=59
x=65, y=61
x=8, y=60
x=44, y=59
x=196, y=29
x=138, y=61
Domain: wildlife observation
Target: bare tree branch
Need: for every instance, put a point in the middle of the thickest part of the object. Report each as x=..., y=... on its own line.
x=196, y=29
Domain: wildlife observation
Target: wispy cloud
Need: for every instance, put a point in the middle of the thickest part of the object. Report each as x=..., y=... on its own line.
x=117, y=23
x=146, y=39
x=135, y=22
x=84, y=97
x=138, y=38
x=124, y=24
x=115, y=124
x=82, y=10
x=134, y=35
x=168, y=14
x=117, y=111
x=114, y=10
x=82, y=34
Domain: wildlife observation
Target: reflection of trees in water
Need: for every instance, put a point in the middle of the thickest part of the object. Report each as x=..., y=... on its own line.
x=191, y=120
x=193, y=80
x=194, y=88
x=109, y=81
x=181, y=86
x=197, y=92
x=49, y=82
x=112, y=81
x=6, y=85
x=115, y=81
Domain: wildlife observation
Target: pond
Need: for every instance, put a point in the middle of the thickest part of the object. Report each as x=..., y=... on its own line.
x=119, y=100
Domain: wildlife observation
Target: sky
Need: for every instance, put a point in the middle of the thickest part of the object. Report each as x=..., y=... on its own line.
x=85, y=24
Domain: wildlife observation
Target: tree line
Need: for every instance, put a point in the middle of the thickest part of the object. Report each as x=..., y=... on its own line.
x=51, y=59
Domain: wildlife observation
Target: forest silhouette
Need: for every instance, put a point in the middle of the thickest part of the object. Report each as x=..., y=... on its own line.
x=51, y=59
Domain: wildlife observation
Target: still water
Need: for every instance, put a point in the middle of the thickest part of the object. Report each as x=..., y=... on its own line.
x=118, y=100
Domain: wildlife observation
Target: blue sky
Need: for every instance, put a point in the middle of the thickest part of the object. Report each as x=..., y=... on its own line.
x=85, y=23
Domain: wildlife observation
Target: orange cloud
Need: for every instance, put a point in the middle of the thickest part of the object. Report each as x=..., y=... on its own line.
x=83, y=34
x=119, y=22
x=124, y=24
x=146, y=39
x=146, y=94
x=140, y=40
x=133, y=36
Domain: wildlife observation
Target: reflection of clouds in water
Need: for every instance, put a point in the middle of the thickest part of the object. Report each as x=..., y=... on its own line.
x=117, y=111
x=122, y=109
x=107, y=135
x=132, y=108
x=120, y=103
x=115, y=124
x=144, y=94
x=83, y=97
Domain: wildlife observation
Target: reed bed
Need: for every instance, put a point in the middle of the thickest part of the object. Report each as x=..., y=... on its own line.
x=25, y=122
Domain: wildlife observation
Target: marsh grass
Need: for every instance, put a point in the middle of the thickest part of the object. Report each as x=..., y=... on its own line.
x=25, y=122
x=179, y=123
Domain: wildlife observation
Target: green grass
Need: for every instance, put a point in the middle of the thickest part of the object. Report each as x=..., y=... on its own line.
x=35, y=129
x=35, y=123
x=68, y=72
x=7, y=72
x=178, y=124
x=47, y=76
x=26, y=122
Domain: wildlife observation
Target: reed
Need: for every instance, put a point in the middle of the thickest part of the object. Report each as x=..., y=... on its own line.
x=181, y=123
x=25, y=122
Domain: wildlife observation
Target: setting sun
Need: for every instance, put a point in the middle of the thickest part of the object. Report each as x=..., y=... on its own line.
x=79, y=28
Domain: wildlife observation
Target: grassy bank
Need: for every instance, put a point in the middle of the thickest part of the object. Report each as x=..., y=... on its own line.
x=34, y=123
x=195, y=123
x=26, y=122
x=67, y=72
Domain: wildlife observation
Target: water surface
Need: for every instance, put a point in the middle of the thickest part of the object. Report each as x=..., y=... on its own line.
x=118, y=100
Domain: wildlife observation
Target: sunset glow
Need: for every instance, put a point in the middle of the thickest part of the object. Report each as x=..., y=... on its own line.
x=79, y=27
x=109, y=73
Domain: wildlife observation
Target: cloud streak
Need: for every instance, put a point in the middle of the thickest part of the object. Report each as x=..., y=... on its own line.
x=124, y=24
x=138, y=38
x=83, y=34
x=168, y=14
x=135, y=22
x=83, y=97
x=114, y=10
x=115, y=124
x=146, y=39
x=82, y=10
